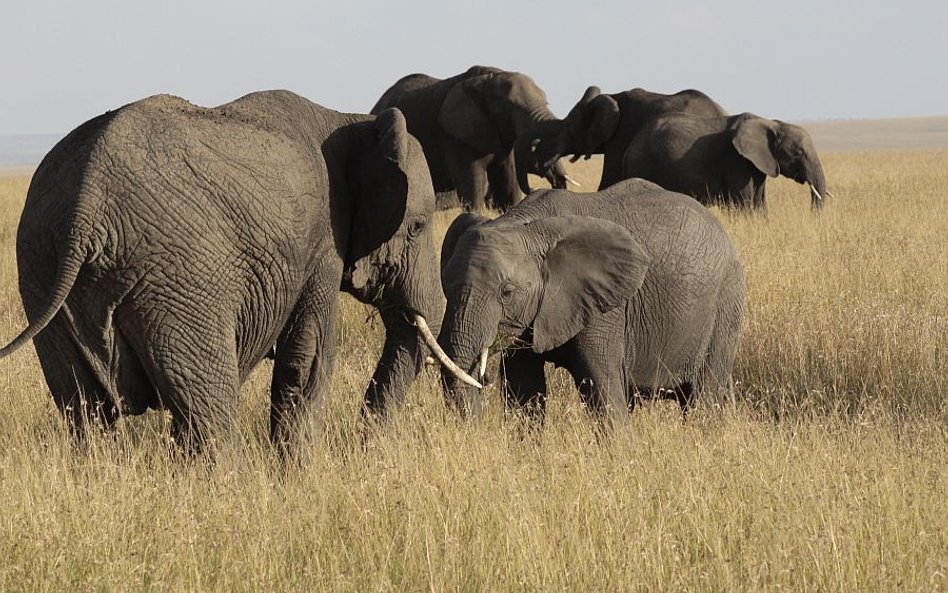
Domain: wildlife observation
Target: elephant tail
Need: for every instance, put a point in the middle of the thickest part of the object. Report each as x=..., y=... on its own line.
x=66, y=274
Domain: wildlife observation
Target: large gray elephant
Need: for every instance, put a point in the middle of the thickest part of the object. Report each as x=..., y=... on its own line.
x=478, y=130
x=606, y=124
x=164, y=247
x=723, y=159
x=633, y=289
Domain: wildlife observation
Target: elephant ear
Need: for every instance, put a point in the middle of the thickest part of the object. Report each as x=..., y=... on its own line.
x=464, y=115
x=458, y=226
x=381, y=192
x=592, y=266
x=597, y=116
x=753, y=139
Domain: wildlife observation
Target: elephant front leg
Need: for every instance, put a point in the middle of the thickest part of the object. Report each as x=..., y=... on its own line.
x=599, y=370
x=304, y=360
x=400, y=363
x=502, y=179
x=468, y=171
x=524, y=383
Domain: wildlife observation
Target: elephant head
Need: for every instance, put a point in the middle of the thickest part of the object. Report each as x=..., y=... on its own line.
x=492, y=110
x=589, y=125
x=390, y=259
x=536, y=284
x=778, y=148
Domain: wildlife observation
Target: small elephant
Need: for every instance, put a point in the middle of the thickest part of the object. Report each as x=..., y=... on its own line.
x=633, y=289
x=725, y=160
x=478, y=130
x=165, y=247
x=606, y=124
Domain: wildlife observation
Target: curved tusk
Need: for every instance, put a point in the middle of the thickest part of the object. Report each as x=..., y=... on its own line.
x=571, y=180
x=829, y=194
x=816, y=193
x=442, y=357
x=482, y=368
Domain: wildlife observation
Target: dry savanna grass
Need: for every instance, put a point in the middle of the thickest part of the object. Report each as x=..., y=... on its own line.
x=826, y=473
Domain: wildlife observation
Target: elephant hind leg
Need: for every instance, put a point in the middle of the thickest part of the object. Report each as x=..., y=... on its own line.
x=715, y=374
x=76, y=389
x=304, y=361
x=192, y=364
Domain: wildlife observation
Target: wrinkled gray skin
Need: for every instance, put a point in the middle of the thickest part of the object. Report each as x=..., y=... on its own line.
x=607, y=124
x=633, y=289
x=478, y=130
x=725, y=160
x=164, y=247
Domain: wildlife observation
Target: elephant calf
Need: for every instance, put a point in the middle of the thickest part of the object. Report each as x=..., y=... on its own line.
x=165, y=247
x=633, y=289
x=724, y=160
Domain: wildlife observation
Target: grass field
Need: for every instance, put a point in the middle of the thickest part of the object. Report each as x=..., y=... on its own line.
x=828, y=473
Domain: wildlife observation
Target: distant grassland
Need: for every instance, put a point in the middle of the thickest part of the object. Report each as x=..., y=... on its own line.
x=828, y=473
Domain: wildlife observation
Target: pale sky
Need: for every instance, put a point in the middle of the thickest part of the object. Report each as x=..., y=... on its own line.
x=68, y=61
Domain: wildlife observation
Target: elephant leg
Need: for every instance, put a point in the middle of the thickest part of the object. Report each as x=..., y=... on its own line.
x=715, y=374
x=76, y=389
x=468, y=170
x=401, y=361
x=192, y=363
x=524, y=383
x=502, y=178
x=304, y=361
x=598, y=368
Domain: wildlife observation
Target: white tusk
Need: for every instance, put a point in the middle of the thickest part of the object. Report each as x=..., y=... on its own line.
x=571, y=180
x=440, y=354
x=430, y=361
x=482, y=368
x=829, y=194
x=816, y=193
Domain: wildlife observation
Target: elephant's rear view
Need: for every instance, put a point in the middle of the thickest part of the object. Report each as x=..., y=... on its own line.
x=164, y=248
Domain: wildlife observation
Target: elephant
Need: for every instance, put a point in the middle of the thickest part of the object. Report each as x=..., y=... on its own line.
x=165, y=247
x=635, y=290
x=725, y=159
x=607, y=124
x=478, y=130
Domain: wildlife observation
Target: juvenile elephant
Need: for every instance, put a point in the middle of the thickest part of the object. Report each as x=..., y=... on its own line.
x=606, y=124
x=164, y=247
x=478, y=130
x=725, y=159
x=633, y=289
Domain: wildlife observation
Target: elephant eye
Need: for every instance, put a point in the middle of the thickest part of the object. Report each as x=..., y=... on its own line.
x=418, y=225
x=507, y=290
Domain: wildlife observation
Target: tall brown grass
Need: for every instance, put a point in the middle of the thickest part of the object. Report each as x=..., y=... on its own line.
x=827, y=474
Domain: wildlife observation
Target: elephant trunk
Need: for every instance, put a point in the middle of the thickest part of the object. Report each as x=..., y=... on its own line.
x=535, y=150
x=817, y=181
x=469, y=352
x=414, y=294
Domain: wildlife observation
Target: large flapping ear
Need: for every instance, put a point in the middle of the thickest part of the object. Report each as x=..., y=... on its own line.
x=460, y=224
x=464, y=116
x=592, y=266
x=753, y=138
x=380, y=193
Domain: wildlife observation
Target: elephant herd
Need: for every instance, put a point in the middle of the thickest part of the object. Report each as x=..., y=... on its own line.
x=165, y=248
